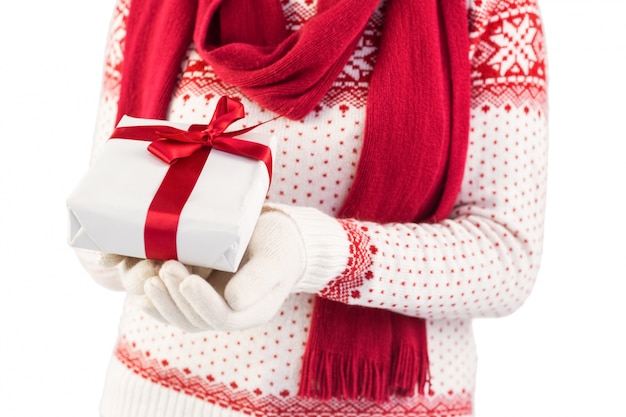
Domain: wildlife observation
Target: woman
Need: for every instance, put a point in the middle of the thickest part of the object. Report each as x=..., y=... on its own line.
x=407, y=199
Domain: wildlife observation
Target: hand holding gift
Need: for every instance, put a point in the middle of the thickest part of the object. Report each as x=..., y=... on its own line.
x=122, y=211
x=271, y=268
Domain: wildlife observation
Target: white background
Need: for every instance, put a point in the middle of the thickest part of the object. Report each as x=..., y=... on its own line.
x=561, y=354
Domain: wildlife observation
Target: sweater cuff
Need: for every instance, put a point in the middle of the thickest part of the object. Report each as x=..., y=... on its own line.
x=325, y=243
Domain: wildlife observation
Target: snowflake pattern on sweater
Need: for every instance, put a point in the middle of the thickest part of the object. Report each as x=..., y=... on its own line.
x=480, y=262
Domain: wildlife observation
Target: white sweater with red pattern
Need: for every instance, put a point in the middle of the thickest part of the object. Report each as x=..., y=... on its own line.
x=480, y=262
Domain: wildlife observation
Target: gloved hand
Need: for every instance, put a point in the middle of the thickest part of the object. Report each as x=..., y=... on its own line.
x=117, y=272
x=274, y=262
x=136, y=271
x=133, y=271
x=105, y=274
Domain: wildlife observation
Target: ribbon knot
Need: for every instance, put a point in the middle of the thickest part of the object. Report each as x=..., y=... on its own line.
x=207, y=137
x=173, y=144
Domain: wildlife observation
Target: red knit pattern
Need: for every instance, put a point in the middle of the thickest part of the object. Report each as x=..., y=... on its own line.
x=347, y=285
x=112, y=76
x=509, y=65
x=255, y=403
x=351, y=86
x=197, y=78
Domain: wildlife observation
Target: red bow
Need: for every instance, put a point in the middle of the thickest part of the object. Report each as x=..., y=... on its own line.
x=173, y=144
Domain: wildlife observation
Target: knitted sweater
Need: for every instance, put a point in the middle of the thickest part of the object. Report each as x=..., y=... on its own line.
x=480, y=262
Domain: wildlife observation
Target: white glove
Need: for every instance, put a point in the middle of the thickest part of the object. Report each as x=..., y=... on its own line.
x=106, y=269
x=134, y=272
x=117, y=272
x=274, y=262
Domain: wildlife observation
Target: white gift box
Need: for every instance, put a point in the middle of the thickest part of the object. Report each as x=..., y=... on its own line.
x=108, y=208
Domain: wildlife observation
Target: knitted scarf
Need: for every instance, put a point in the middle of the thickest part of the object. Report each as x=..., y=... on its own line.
x=414, y=147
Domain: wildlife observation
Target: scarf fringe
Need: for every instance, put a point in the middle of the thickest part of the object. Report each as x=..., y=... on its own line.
x=328, y=375
x=410, y=369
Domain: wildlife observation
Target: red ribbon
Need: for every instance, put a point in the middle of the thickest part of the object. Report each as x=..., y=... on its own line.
x=187, y=151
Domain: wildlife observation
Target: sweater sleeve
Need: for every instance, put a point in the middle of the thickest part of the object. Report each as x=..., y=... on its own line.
x=483, y=260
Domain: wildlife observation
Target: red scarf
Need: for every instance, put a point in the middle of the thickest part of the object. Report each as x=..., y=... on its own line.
x=414, y=146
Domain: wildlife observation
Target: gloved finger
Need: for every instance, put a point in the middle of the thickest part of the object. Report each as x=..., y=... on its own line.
x=111, y=259
x=215, y=311
x=172, y=274
x=159, y=297
x=135, y=278
x=252, y=282
x=205, y=300
x=150, y=309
